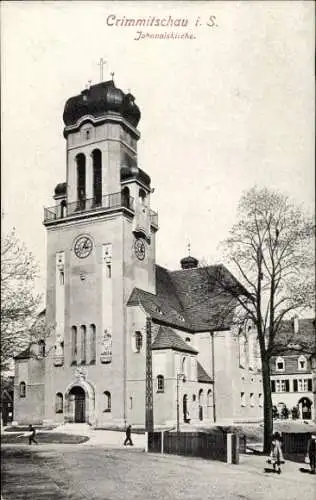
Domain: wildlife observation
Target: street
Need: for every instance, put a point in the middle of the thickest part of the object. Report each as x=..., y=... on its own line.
x=77, y=472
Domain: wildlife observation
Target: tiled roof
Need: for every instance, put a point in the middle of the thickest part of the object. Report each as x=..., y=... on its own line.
x=167, y=338
x=288, y=342
x=202, y=376
x=190, y=299
x=26, y=354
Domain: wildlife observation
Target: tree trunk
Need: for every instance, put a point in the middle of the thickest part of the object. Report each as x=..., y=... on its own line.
x=267, y=406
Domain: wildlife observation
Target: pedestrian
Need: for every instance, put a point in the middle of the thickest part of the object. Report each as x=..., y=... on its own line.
x=128, y=439
x=32, y=435
x=311, y=453
x=276, y=455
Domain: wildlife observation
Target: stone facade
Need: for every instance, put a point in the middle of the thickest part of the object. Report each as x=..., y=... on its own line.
x=102, y=285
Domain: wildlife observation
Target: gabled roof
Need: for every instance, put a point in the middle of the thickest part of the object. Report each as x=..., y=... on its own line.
x=26, y=354
x=167, y=338
x=202, y=376
x=190, y=299
x=288, y=342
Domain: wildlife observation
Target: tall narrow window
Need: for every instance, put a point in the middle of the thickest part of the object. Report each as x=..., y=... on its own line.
x=41, y=348
x=242, y=399
x=22, y=390
x=63, y=209
x=138, y=341
x=160, y=383
x=81, y=180
x=83, y=344
x=107, y=396
x=108, y=271
x=125, y=197
x=74, y=344
x=92, y=345
x=252, y=399
x=97, y=176
x=59, y=403
x=260, y=398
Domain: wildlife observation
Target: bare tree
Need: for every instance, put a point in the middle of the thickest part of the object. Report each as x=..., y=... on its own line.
x=19, y=302
x=271, y=248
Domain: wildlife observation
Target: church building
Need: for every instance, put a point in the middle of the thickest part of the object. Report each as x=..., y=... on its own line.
x=104, y=288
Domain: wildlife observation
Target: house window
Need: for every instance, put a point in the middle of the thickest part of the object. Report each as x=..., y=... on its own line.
x=242, y=399
x=252, y=399
x=282, y=386
x=130, y=403
x=303, y=385
x=41, y=348
x=138, y=341
x=107, y=396
x=194, y=397
x=59, y=403
x=108, y=271
x=279, y=364
x=260, y=398
x=22, y=390
x=302, y=363
x=87, y=134
x=160, y=383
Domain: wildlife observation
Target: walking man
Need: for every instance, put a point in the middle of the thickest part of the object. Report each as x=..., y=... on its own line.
x=32, y=435
x=128, y=439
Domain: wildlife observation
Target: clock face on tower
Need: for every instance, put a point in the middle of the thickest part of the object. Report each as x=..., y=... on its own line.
x=140, y=248
x=83, y=247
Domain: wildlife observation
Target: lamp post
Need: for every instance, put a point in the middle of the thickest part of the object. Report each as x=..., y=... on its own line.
x=180, y=376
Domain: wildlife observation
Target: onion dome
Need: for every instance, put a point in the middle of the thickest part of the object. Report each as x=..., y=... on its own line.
x=189, y=262
x=61, y=189
x=100, y=99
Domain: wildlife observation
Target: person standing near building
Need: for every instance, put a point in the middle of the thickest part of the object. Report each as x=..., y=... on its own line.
x=128, y=439
x=276, y=455
x=32, y=435
x=311, y=453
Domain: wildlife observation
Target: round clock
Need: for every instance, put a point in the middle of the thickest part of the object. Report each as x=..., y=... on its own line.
x=83, y=247
x=140, y=249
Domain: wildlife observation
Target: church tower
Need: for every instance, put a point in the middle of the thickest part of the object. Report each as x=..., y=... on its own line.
x=100, y=246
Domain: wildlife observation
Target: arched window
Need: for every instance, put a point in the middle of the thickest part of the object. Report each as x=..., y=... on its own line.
x=81, y=180
x=126, y=197
x=138, y=341
x=252, y=399
x=74, y=344
x=63, y=209
x=97, y=176
x=41, y=348
x=22, y=389
x=142, y=196
x=107, y=401
x=59, y=406
x=201, y=404
x=188, y=339
x=92, y=345
x=242, y=399
x=83, y=353
x=184, y=368
x=302, y=363
x=160, y=383
x=279, y=364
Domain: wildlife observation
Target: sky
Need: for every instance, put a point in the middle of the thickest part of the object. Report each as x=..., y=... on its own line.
x=230, y=108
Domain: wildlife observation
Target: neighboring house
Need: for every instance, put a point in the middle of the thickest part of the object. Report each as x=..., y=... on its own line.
x=291, y=369
x=103, y=284
x=7, y=399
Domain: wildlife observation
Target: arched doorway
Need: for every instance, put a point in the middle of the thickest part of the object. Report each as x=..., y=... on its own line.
x=77, y=404
x=305, y=408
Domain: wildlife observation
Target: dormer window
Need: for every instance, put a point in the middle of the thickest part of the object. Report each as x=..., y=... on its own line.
x=279, y=364
x=302, y=363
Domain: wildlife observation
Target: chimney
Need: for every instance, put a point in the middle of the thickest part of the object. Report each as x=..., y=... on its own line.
x=295, y=322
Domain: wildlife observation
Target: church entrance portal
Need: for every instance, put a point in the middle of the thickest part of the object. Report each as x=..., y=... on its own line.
x=77, y=400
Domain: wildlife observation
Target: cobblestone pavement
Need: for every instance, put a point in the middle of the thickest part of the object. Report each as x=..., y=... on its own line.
x=77, y=472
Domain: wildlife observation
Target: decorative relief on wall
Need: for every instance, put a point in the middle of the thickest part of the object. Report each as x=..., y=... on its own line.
x=106, y=348
x=107, y=253
x=81, y=373
x=59, y=351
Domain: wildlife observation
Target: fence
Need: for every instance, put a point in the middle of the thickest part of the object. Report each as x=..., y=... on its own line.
x=295, y=442
x=215, y=446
